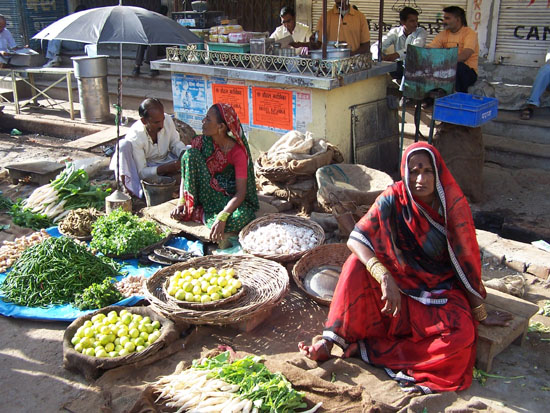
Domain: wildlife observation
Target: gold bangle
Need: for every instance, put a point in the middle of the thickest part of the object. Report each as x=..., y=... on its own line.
x=222, y=216
x=377, y=270
x=479, y=312
x=371, y=262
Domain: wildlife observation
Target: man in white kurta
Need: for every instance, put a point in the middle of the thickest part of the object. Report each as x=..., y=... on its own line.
x=290, y=27
x=152, y=147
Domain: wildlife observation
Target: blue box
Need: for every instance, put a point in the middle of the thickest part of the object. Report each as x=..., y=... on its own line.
x=465, y=109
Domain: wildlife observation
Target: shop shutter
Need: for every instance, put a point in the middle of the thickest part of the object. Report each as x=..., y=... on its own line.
x=11, y=11
x=523, y=32
x=431, y=13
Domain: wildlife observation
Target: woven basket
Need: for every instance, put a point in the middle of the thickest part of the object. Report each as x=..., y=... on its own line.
x=327, y=254
x=273, y=173
x=92, y=367
x=266, y=281
x=281, y=219
x=200, y=306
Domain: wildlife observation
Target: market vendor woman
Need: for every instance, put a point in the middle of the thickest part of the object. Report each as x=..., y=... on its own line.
x=218, y=186
x=410, y=296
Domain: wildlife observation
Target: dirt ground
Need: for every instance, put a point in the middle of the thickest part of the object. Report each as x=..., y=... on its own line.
x=33, y=378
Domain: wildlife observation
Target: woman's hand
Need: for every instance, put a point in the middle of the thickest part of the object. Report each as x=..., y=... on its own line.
x=391, y=295
x=216, y=233
x=498, y=318
x=178, y=213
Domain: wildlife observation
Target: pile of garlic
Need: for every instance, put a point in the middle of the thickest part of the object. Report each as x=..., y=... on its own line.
x=277, y=238
x=12, y=250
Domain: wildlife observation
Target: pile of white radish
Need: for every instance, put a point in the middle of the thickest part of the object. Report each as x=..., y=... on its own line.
x=192, y=391
x=45, y=200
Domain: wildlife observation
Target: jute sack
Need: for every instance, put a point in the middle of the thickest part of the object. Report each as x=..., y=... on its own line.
x=93, y=367
x=350, y=183
x=462, y=149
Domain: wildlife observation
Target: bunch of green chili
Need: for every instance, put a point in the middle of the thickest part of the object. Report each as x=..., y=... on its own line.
x=55, y=272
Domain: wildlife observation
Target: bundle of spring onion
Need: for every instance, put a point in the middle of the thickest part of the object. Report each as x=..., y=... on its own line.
x=71, y=189
x=219, y=385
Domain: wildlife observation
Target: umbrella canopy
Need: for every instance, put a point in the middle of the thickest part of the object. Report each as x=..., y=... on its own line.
x=118, y=24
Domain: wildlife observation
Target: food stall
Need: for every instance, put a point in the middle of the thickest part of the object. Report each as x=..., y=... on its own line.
x=274, y=92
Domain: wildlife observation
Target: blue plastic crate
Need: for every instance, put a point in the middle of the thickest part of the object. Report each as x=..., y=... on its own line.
x=465, y=109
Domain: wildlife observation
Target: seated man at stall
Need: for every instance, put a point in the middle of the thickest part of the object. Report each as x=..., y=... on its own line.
x=458, y=34
x=218, y=187
x=7, y=43
x=541, y=83
x=152, y=147
x=300, y=32
x=345, y=23
x=400, y=37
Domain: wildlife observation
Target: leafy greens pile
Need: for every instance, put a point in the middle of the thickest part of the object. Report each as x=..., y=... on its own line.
x=121, y=233
x=98, y=295
x=55, y=272
x=271, y=392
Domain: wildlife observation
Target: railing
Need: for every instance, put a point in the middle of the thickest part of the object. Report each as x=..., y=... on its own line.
x=262, y=62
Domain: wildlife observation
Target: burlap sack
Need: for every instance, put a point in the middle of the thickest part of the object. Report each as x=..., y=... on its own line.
x=462, y=150
x=186, y=132
x=350, y=183
x=93, y=367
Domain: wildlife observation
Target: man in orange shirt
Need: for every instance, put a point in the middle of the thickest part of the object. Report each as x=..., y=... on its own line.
x=354, y=29
x=458, y=34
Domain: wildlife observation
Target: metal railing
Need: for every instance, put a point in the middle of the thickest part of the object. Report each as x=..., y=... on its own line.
x=263, y=62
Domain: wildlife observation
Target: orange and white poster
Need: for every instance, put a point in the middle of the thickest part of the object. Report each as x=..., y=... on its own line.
x=272, y=108
x=235, y=95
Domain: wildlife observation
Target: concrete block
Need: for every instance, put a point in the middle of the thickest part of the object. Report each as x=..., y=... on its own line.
x=538, y=270
x=485, y=238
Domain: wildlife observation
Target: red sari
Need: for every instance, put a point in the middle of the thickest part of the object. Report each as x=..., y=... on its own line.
x=433, y=257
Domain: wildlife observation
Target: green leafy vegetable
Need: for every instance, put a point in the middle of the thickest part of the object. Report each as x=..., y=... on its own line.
x=54, y=272
x=5, y=203
x=98, y=295
x=270, y=392
x=482, y=376
x=24, y=217
x=73, y=186
x=121, y=233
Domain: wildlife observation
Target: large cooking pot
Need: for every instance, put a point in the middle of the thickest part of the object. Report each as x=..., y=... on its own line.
x=332, y=53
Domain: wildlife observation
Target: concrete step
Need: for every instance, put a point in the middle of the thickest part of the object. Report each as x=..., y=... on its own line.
x=508, y=124
x=510, y=153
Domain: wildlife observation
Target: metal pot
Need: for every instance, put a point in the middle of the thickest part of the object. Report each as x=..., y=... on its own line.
x=332, y=53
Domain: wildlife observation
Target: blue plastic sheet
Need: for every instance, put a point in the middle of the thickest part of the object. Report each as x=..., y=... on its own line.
x=69, y=313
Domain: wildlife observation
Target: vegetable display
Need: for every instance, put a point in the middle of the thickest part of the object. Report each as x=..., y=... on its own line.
x=25, y=217
x=115, y=334
x=219, y=385
x=121, y=233
x=78, y=222
x=203, y=286
x=98, y=295
x=71, y=189
x=54, y=272
x=276, y=238
x=131, y=285
x=12, y=250
x=5, y=203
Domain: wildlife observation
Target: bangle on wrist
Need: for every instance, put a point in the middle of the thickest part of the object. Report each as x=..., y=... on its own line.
x=181, y=201
x=223, y=216
x=376, y=269
x=479, y=312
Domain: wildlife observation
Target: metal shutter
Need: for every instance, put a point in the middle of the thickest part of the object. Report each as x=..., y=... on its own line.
x=10, y=10
x=523, y=32
x=431, y=13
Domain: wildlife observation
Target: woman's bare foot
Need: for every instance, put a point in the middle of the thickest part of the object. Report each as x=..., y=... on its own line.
x=351, y=351
x=319, y=351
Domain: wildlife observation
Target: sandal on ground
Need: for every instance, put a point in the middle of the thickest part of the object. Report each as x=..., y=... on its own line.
x=526, y=113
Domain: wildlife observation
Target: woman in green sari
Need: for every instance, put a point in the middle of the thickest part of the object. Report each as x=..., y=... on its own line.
x=218, y=187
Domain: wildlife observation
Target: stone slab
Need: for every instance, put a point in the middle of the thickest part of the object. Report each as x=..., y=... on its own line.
x=98, y=138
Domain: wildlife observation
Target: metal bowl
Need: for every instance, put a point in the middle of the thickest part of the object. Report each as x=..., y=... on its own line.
x=332, y=53
x=199, y=6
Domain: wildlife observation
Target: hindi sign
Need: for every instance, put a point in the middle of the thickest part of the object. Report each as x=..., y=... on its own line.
x=272, y=108
x=235, y=95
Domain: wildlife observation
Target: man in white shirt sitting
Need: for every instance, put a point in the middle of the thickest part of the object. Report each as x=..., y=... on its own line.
x=400, y=37
x=152, y=147
x=300, y=32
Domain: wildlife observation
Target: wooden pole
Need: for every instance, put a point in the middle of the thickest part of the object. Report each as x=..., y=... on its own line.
x=380, y=31
x=324, y=37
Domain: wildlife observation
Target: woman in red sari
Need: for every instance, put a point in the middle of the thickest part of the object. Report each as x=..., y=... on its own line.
x=410, y=296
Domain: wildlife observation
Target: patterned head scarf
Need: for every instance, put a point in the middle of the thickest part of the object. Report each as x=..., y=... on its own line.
x=232, y=121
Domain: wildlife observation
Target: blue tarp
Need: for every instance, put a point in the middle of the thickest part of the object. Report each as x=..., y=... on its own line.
x=69, y=313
